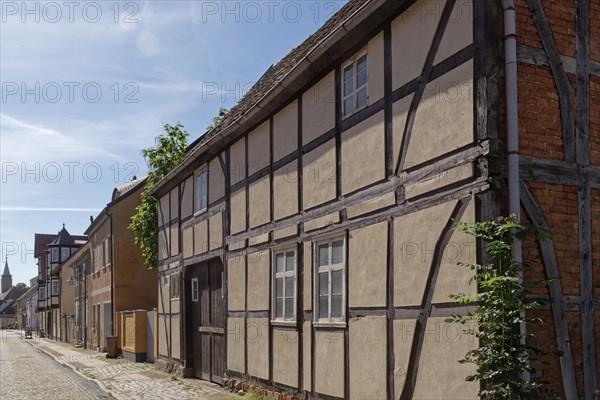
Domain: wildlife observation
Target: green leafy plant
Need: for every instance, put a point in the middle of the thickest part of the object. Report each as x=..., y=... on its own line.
x=222, y=112
x=168, y=152
x=503, y=355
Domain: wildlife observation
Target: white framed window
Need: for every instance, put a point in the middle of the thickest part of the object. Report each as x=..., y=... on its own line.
x=55, y=287
x=284, y=285
x=65, y=253
x=42, y=293
x=195, y=290
x=355, y=76
x=54, y=253
x=201, y=190
x=330, y=282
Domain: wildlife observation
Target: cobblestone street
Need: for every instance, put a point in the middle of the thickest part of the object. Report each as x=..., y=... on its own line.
x=27, y=373
x=65, y=372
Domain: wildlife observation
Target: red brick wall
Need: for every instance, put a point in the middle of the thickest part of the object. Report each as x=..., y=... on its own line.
x=540, y=135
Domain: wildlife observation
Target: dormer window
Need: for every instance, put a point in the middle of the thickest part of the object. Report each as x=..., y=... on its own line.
x=354, y=84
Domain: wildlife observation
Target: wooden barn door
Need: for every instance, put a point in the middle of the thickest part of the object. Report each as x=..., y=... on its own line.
x=208, y=320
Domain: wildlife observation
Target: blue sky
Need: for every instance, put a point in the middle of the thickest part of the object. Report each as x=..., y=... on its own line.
x=86, y=85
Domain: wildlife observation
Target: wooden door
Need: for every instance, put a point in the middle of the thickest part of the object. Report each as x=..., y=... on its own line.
x=208, y=320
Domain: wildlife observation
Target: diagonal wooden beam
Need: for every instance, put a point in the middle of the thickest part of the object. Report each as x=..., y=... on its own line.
x=426, y=303
x=561, y=329
x=563, y=86
x=422, y=83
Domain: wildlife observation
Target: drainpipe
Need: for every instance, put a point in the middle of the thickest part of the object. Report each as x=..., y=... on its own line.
x=512, y=130
x=112, y=276
x=85, y=305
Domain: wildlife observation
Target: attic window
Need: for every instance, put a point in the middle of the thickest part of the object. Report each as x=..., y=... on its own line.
x=354, y=85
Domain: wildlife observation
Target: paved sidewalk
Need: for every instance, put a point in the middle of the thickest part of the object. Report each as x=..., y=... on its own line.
x=124, y=380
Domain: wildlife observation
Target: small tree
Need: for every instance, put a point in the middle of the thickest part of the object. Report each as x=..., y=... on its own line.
x=503, y=356
x=20, y=285
x=169, y=150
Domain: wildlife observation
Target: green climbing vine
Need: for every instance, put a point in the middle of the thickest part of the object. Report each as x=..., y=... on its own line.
x=168, y=152
x=501, y=306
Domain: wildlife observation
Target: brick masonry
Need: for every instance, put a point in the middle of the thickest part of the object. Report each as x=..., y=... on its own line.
x=540, y=135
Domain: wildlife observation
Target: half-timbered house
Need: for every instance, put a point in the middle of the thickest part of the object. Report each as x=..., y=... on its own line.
x=306, y=241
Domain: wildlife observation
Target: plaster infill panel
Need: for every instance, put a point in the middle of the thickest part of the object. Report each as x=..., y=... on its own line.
x=368, y=357
x=163, y=324
x=285, y=131
x=175, y=337
x=237, y=161
x=408, y=55
x=260, y=202
x=375, y=68
x=238, y=211
x=329, y=363
x=415, y=237
x=285, y=357
x=459, y=32
x=174, y=239
x=318, y=109
x=404, y=332
x=257, y=340
x=236, y=283
x=285, y=232
x=367, y=266
x=363, y=154
x=236, y=344
x=399, y=115
x=319, y=175
x=461, y=248
x=259, y=148
x=258, y=278
x=215, y=226
x=321, y=222
x=164, y=210
x=307, y=350
x=444, y=345
x=175, y=203
x=285, y=190
x=201, y=237
x=163, y=243
x=308, y=270
x=444, y=119
x=216, y=180
x=187, y=197
x=188, y=242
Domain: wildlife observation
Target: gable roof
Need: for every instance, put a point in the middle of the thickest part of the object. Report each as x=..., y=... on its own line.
x=41, y=241
x=273, y=79
x=29, y=293
x=12, y=294
x=119, y=191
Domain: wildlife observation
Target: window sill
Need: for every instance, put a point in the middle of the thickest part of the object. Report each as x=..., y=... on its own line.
x=284, y=323
x=327, y=324
x=200, y=212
